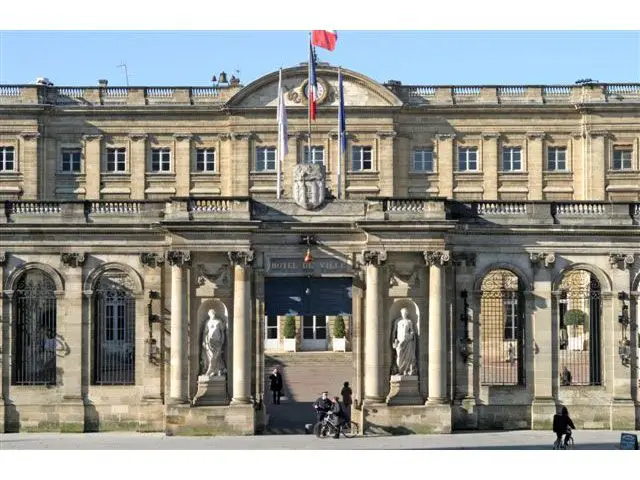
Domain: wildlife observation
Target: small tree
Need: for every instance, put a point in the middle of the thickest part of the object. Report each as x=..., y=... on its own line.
x=338, y=327
x=575, y=318
x=289, y=330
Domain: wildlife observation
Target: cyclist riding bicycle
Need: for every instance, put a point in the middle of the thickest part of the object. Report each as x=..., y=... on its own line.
x=562, y=425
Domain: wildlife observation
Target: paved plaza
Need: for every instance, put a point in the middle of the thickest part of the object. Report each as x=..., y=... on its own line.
x=517, y=440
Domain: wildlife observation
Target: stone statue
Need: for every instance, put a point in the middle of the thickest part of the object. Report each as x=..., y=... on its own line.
x=214, y=336
x=404, y=343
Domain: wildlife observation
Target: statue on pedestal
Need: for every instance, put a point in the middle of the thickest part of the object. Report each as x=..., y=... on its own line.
x=404, y=343
x=214, y=336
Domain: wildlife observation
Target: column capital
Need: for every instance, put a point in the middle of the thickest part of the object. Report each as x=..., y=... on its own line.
x=151, y=260
x=178, y=258
x=374, y=257
x=445, y=136
x=29, y=135
x=600, y=133
x=182, y=136
x=621, y=260
x=138, y=136
x=536, y=135
x=542, y=258
x=242, y=258
x=437, y=257
x=491, y=135
x=72, y=260
x=3, y=258
x=91, y=136
x=386, y=134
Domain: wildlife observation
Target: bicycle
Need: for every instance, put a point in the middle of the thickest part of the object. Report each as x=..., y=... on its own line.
x=328, y=425
x=559, y=444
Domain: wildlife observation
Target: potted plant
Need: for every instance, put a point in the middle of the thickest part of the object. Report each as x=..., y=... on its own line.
x=289, y=332
x=575, y=319
x=339, y=336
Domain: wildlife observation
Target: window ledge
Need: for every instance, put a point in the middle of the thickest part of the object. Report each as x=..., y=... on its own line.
x=71, y=174
x=418, y=173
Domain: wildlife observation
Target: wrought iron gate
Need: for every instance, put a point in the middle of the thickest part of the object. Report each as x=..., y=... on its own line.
x=579, y=309
x=34, y=346
x=502, y=330
x=114, y=334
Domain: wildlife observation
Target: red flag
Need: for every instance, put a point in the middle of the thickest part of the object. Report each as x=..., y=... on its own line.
x=324, y=38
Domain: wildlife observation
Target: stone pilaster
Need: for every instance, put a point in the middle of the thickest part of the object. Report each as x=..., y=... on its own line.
x=30, y=165
x=93, y=165
x=182, y=163
x=386, y=163
x=4, y=339
x=490, y=165
x=436, y=261
x=178, y=259
x=241, y=390
x=535, y=163
x=446, y=164
x=373, y=391
x=138, y=164
x=243, y=162
x=598, y=170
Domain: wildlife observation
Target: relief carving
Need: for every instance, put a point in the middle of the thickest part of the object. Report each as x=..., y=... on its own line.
x=72, y=260
x=151, y=260
x=178, y=258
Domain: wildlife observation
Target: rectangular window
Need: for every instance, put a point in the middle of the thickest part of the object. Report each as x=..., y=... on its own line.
x=265, y=159
x=205, y=160
x=557, y=159
x=7, y=159
x=468, y=159
x=511, y=159
x=272, y=327
x=510, y=319
x=423, y=160
x=361, y=158
x=71, y=160
x=116, y=160
x=160, y=160
x=622, y=158
x=317, y=155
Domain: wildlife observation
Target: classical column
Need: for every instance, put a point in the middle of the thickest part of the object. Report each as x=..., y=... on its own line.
x=4, y=339
x=436, y=260
x=535, y=164
x=178, y=388
x=490, y=166
x=241, y=390
x=446, y=164
x=373, y=326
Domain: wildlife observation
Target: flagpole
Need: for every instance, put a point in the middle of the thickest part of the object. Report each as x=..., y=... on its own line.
x=308, y=102
x=339, y=135
x=279, y=159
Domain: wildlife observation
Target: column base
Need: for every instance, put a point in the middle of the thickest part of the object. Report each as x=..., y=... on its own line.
x=177, y=401
x=437, y=401
x=241, y=401
x=370, y=400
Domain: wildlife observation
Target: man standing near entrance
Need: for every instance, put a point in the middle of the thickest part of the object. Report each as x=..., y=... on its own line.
x=346, y=400
x=276, y=385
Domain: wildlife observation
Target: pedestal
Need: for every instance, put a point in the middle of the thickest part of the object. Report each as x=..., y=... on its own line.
x=404, y=390
x=211, y=391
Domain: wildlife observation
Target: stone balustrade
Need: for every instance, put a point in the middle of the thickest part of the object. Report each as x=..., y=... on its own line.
x=224, y=209
x=411, y=94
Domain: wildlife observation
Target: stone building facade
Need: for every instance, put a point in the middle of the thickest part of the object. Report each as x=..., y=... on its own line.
x=138, y=225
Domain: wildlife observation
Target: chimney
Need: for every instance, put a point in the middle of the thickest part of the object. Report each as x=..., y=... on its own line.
x=103, y=83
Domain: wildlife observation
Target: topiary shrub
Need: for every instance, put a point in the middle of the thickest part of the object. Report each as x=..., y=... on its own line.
x=574, y=318
x=339, y=330
x=289, y=329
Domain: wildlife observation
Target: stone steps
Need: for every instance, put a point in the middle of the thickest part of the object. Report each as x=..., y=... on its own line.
x=305, y=375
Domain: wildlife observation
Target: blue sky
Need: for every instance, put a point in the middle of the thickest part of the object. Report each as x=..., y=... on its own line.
x=181, y=58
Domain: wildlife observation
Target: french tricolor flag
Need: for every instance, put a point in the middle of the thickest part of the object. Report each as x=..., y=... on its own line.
x=324, y=39
x=312, y=92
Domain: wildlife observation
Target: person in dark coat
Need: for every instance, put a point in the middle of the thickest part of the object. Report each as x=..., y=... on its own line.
x=347, y=400
x=338, y=411
x=276, y=385
x=323, y=406
x=562, y=425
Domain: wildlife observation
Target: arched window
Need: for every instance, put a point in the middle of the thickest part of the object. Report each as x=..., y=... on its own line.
x=502, y=329
x=114, y=331
x=579, y=312
x=34, y=335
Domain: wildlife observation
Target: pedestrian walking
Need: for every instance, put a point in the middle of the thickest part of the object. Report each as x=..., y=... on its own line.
x=275, y=380
x=347, y=400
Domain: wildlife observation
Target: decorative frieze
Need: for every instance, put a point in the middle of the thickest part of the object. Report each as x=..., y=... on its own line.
x=178, y=258
x=220, y=277
x=374, y=257
x=152, y=260
x=410, y=278
x=621, y=260
x=241, y=258
x=437, y=257
x=538, y=259
x=73, y=259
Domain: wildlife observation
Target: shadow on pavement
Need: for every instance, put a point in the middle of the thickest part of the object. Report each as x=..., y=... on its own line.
x=586, y=446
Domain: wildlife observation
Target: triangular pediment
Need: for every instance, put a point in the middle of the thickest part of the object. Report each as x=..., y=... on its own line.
x=359, y=91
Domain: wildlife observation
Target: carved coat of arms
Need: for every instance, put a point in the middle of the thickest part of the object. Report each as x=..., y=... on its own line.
x=309, y=185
